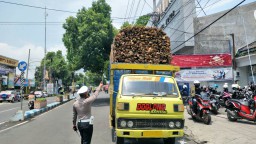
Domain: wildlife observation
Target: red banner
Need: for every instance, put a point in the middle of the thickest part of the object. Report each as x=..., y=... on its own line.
x=211, y=60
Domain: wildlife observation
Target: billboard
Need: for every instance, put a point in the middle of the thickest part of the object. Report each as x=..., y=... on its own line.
x=214, y=74
x=50, y=88
x=209, y=60
x=11, y=80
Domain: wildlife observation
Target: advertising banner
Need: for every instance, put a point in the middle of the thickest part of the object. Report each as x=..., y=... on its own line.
x=50, y=88
x=25, y=84
x=5, y=78
x=11, y=80
x=214, y=74
x=211, y=60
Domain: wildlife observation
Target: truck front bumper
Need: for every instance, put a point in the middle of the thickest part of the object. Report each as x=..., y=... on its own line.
x=127, y=133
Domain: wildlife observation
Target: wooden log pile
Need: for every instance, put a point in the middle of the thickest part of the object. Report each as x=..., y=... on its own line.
x=141, y=45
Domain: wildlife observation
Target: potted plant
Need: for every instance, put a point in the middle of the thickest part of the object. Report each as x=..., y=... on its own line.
x=59, y=98
x=66, y=96
x=40, y=103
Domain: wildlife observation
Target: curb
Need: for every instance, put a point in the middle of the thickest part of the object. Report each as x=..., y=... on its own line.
x=34, y=112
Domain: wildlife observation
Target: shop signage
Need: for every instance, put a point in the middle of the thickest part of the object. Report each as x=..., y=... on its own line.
x=154, y=108
x=213, y=74
x=211, y=60
x=8, y=61
x=6, y=69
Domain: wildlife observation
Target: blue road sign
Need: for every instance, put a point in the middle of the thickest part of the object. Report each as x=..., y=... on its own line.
x=22, y=66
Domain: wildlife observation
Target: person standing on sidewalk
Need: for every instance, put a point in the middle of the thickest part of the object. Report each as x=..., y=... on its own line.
x=82, y=113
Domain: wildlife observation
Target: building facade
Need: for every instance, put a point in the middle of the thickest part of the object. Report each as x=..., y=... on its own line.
x=7, y=72
x=175, y=17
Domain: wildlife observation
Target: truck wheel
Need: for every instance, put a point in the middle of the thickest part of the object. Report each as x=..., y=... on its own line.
x=113, y=135
x=13, y=100
x=119, y=140
x=169, y=141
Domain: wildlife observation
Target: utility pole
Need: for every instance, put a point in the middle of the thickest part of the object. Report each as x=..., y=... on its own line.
x=45, y=15
x=27, y=69
x=233, y=56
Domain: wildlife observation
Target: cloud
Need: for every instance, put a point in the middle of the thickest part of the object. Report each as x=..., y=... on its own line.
x=21, y=54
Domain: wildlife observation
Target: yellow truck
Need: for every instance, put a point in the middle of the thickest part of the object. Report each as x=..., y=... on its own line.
x=145, y=102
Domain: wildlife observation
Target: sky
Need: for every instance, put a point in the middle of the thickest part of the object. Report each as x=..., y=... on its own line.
x=17, y=39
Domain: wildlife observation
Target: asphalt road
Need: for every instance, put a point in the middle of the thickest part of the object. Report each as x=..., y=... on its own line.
x=55, y=127
x=7, y=110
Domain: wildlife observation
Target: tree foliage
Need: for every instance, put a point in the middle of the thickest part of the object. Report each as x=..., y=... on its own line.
x=142, y=20
x=56, y=66
x=126, y=24
x=88, y=37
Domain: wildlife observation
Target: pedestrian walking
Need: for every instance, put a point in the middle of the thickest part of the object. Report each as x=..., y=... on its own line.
x=82, y=113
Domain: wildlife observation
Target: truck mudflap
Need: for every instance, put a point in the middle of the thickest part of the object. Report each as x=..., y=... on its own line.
x=149, y=133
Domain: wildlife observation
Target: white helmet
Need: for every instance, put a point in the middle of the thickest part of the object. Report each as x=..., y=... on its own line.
x=184, y=86
x=196, y=82
x=225, y=85
x=235, y=86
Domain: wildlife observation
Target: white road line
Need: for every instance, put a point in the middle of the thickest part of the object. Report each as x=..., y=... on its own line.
x=10, y=109
x=13, y=126
x=2, y=123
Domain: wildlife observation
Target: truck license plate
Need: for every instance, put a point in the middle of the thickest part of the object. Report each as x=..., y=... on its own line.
x=152, y=133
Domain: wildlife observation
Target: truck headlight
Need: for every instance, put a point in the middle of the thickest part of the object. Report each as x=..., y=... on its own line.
x=171, y=124
x=130, y=124
x=123, y=123
x=123, y=106
x=178, y=124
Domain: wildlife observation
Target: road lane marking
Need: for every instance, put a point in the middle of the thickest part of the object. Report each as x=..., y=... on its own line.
x=2, y=123
x=10, y=109
x=13, y=126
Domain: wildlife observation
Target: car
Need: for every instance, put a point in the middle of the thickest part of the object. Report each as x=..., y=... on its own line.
x=39, y=94
x=9, y=95
x=45, y=94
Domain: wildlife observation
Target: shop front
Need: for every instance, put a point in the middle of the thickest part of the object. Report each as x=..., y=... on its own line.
x=7, y=72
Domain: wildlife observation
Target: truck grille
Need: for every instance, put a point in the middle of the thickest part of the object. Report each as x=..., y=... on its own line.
x=151, y=123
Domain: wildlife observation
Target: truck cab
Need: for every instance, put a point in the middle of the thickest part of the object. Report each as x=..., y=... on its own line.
x=146, y=105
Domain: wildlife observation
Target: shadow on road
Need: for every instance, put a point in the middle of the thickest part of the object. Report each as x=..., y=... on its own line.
x=99, y=102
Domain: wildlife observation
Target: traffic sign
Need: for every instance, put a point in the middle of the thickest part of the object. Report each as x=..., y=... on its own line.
x=22, y=66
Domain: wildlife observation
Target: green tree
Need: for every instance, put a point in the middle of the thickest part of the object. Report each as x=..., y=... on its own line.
x=56, y=67
x=88, y=37
x=93, y=79
x=142, y=20
x=126, y=24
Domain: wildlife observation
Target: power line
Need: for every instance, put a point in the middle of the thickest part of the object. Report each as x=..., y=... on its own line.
x=148, y=5
x=137, y=9
x=210, y=24
x=201, y=6
x=126, y=10
x=38, y=7
x=130, y=13
x=192, y=21
x=142, y=8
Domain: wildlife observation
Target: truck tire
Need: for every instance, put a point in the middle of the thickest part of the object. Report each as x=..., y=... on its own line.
x=169, y=141
x=113, y=135
x=119, y=140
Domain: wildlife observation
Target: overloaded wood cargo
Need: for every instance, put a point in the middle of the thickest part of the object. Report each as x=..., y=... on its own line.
x=141, y=45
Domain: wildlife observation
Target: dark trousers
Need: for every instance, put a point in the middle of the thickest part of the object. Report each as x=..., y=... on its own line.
x=86, y=131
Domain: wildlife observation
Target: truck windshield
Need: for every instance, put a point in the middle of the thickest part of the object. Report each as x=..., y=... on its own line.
x=149, y=88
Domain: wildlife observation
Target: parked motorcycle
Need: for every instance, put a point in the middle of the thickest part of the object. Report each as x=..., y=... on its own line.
x=31, y=104
x=222, y=99
x=203, y=108
x=242, y=109
x=214, y=104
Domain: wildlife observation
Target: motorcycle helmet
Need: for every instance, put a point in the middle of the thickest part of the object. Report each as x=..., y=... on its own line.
x=204, y=88
x=184, y=86
x=235, y=86
x=216, y=86
x=197, y=83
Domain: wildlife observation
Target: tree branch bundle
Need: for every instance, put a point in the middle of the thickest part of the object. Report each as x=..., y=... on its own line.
x=141, y=45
